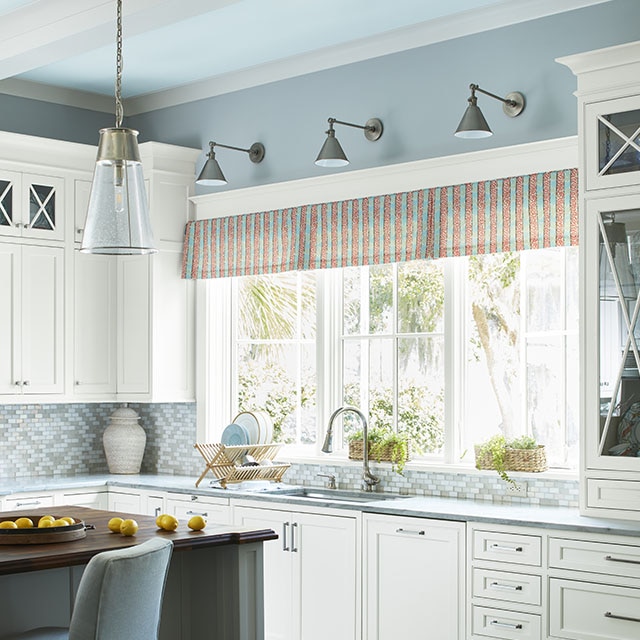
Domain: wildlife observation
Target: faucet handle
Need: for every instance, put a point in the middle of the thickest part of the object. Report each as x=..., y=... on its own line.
x=331, y=479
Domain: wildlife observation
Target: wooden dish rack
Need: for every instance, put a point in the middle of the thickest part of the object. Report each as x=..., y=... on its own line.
x=225, y=462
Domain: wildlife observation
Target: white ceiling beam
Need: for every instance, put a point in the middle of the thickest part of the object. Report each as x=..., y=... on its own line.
x=48, y=31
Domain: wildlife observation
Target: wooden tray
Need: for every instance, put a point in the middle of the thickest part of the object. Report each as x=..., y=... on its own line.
x=42, y=536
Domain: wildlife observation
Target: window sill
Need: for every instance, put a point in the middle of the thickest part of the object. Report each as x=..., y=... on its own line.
x=298, y=456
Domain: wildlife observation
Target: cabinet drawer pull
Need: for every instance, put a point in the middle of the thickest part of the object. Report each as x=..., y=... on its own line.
x=285, y=546
x=505, y=625
x=410, y=532
x=204, y=514
x=294, y=549
x=608, y=614
x=612, y=559
x=33, y=503
x=503, y=547
x=505, y=587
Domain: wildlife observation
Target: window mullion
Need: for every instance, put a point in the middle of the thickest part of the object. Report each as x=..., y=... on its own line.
x=454, y=336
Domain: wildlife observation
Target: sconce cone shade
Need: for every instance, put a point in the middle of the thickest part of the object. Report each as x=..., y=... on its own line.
x=473, y=124
x=211, y=174
x=118, y=215
x=331, y=154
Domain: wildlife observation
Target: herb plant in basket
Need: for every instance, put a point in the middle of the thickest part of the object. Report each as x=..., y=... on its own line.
x=517, y=454
x=384, y=446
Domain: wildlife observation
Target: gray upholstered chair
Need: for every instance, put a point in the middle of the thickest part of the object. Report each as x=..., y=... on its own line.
x=120, y=594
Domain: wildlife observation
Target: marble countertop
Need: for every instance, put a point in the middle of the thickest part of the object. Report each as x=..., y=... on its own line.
x=417, y=506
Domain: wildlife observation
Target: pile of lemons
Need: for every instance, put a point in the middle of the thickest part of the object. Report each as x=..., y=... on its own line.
x=165, y=521
x=170, y=523
x=43, y=523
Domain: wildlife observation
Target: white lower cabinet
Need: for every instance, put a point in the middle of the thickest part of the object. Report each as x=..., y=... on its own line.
x=97, y=499
x=413, y=578
x=506, y=582
x=184, y=506
x=594, y=588
x=312, y=572
x=22, y=501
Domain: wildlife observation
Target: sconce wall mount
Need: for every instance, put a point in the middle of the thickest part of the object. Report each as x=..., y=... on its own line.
x=331, y=153
x=211, y=174
x=473, y=123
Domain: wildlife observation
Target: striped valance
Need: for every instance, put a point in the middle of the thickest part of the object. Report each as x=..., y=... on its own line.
x=508, y=214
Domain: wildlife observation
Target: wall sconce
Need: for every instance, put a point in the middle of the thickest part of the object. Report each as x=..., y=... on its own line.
x=473, y=124
x=211, y=174
x=332, y=155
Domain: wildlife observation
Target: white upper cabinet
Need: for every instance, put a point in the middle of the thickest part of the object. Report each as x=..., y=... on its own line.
x=609, y=125
x=31, y=206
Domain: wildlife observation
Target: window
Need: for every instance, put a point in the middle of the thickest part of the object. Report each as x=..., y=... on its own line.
x=450, y=351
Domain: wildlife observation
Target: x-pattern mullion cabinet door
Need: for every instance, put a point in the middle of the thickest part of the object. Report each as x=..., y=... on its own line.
x=31, y=206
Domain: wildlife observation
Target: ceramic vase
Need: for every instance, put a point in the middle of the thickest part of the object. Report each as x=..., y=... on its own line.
x=124, y=441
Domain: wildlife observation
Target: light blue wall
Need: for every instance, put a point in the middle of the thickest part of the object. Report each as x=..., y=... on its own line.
x=420, y=95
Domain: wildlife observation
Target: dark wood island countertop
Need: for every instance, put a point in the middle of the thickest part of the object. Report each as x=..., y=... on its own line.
x=21, y=558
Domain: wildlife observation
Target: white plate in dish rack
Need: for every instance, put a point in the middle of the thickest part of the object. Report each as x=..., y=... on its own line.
x=258, y=424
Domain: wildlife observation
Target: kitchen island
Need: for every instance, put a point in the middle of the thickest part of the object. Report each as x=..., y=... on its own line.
x=214, y=587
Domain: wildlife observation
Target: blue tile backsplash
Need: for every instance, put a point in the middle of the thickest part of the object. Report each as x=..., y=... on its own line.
x=66, y=439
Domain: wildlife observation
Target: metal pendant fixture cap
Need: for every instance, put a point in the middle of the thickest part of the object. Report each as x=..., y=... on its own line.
x=118, y=144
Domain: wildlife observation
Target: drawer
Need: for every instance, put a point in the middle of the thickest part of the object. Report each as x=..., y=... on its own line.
x=15, y=503
x=497, y=623
x=507, y=586
x=515, y=548
x=599, y=612
x=613, y=494
x=595, y=557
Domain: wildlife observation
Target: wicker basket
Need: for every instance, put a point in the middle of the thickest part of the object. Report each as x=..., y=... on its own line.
x=530, y=460
x=356, y=451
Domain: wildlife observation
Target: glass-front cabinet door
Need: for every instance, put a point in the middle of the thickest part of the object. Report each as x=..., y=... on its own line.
x=612, y=333
x=612, y=131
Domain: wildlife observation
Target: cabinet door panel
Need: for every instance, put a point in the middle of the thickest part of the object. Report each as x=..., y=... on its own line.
x=413, y=578
x=278, y=585
x=326, y=576
x=10, y=329
x=42, y=319
x=43, y=207
x=10, y=213
x=94, y=333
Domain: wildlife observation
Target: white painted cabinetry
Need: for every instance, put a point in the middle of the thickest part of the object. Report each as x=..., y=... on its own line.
x=413, y=578
x=31, y=319
x=185, y=506
x=609, y=135
x=312, y=572
x=505, y=583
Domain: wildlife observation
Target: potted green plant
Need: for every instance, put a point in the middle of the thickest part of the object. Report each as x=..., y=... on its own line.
x=385, y=445
x=516, y=454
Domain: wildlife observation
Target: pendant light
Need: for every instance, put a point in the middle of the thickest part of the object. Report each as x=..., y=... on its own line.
x=118, y=214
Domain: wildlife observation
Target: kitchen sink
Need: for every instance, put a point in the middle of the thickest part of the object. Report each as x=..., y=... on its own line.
x=334, y=495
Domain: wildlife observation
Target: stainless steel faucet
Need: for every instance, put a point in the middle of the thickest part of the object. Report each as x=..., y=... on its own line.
x=368, y=479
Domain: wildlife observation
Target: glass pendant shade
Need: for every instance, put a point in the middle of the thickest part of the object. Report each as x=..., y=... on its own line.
x=473, y=124
x=118, y=214
x=211, y=174
x=331, y=154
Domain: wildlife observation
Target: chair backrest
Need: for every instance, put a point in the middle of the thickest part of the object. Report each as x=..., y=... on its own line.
x=120, y=593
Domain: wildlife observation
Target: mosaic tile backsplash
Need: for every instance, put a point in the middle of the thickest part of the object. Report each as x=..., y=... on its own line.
x=66, y=439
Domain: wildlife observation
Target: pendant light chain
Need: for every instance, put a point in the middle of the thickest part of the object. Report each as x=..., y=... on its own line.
x=119, y=108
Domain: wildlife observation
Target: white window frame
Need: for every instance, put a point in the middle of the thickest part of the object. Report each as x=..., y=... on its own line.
x=213, y=373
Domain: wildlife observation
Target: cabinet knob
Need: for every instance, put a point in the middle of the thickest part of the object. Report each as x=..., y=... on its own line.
x=79, y=231
x=18, y=383
x=78, y=383
x=26, y=383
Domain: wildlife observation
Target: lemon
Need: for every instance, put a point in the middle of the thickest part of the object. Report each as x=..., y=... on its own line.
x=59, y=523
x=24, y=523
x=8, y=524
x=68, y=519
x=169, y=523
x=114, y=524
x=52, y=518
x=159, y=520
x=128, y=527
x=197, y=523
x=45, y=523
